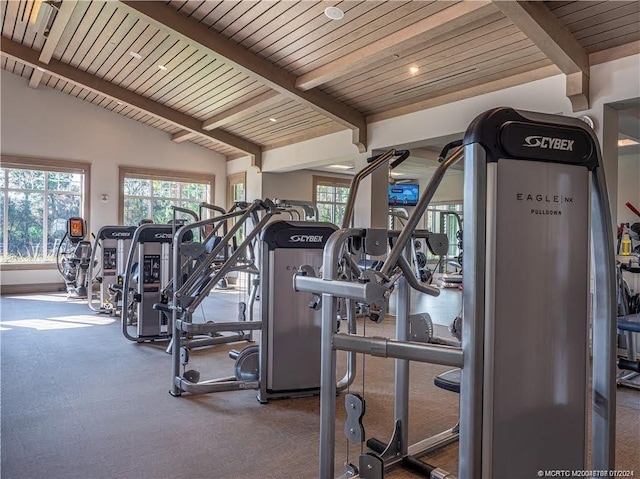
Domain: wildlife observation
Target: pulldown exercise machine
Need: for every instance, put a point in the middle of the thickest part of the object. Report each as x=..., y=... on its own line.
x=523, y=402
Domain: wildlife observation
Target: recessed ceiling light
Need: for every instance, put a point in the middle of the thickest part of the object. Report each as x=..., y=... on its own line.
x=135, y=55
x=119, y=102
x=396, y=56
x=413, y=70
x=162, y=67
x=340, y=167
x=40, y=69
x=627, y=142
x=334, y=13
x=273, y=120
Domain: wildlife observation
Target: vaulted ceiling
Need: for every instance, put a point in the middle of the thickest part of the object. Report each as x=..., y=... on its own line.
x=240, y=77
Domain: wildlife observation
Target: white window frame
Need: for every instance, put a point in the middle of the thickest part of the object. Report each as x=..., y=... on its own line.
x=334, y=182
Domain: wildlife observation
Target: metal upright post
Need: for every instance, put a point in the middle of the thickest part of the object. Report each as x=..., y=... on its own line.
x=604, y=330
x=471, y=383
x=328, y=389
x=401, y=404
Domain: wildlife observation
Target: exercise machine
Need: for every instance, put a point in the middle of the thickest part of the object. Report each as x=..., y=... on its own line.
x=628, y=326
x=106, y=267
x=289, y=351
x=146, y=273
x=192, y=285
x=451, y=279
x=302, y=210
x=517, y=417
x=287, y=361
x=73, y=256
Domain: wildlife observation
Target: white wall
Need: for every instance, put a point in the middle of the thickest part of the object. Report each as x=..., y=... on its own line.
x=46, y=123
x=253, y=186
x=293, y=185
x=310, y=153
x=450, y=190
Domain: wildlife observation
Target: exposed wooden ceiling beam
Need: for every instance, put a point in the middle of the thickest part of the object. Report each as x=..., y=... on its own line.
x=83, y=79
x=55, y=34
x=442, y=22
x=183, y=135
x=167, y=18
x=615, y=53
x=545, y=30
x=242, y=111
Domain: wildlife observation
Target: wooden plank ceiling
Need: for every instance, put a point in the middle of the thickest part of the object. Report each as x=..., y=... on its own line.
x=239, y=77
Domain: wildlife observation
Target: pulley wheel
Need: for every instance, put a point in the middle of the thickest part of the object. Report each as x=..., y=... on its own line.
x=421, y=259
x=248, y=364
x=425, y=276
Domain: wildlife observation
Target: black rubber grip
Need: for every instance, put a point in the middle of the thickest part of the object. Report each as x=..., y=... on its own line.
x=402, y=155
x=628, y=365
x=447, y=147
x=161, y=307
x=376, y=445
x=417, y=465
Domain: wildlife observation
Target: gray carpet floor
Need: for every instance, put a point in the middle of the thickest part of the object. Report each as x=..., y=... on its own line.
x=80, y=401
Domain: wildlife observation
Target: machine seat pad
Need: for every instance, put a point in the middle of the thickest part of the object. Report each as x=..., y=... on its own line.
x=630, y=322
x=449, y=380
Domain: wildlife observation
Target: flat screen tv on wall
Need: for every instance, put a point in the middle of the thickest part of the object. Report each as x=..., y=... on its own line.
x=403, y=195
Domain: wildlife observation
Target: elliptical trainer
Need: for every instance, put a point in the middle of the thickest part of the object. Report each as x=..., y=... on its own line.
x=73, y=256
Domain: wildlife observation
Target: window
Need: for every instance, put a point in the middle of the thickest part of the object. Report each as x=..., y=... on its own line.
x=330, y=196
x=36, y=199
x=149, y=194
x=236, y=188
x=236, y=191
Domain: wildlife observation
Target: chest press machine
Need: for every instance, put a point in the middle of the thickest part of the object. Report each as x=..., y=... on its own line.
x=524, y=384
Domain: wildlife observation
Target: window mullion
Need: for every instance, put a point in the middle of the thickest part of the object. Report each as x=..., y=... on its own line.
x=45, y=217
x=5, y=232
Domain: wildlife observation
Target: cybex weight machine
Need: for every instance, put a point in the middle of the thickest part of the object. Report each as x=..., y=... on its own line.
x=106, y=267
x=534, y=193
x=146, y=273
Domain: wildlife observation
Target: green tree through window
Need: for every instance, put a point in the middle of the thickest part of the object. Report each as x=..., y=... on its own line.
x=35, y=202
x=150, y=194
